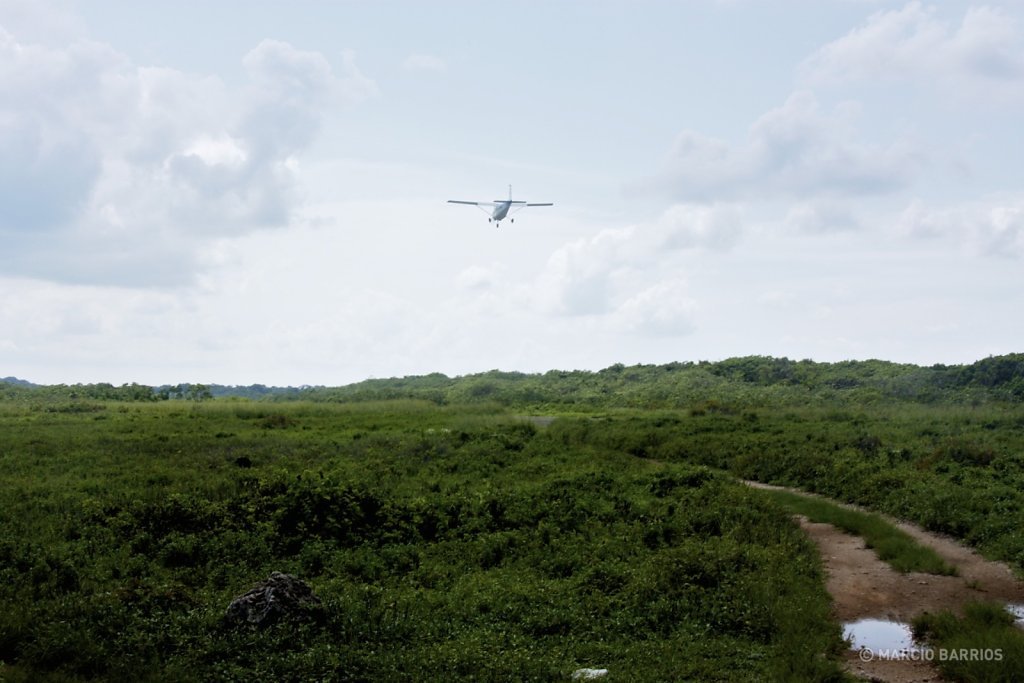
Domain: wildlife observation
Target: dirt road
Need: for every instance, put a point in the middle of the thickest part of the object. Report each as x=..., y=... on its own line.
x=862, y=586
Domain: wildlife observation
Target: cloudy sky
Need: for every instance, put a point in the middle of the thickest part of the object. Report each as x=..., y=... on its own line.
x=254, y=191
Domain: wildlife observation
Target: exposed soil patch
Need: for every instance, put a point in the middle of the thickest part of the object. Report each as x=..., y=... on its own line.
x=862, y=586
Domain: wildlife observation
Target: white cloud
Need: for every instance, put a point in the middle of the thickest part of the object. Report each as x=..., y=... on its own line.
x=291, y=89
x=629, y=279
x=45, y=178
x=53, y=327
x=478, y=278
x=1004, y=230
x=116, y=173
x=663, y=309
x=39, y=22
x=984, y=52
x=423, y=62
x=222, y=151
x=685, y=226
x=821, y=216
x=993, y=228
x=578, y=278
x=794, y=150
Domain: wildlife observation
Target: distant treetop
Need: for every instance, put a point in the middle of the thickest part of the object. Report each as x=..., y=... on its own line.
x=744, y=381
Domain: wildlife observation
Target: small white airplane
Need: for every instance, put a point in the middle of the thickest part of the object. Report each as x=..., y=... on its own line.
x=500, y=208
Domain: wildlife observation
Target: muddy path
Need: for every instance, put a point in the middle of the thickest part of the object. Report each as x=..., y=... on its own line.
x=862, y=586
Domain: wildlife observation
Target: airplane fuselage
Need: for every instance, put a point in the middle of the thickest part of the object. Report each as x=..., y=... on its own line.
x=500, y=211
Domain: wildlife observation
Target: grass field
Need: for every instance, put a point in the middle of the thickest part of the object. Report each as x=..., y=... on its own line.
x=449, y=539
x=445, y=544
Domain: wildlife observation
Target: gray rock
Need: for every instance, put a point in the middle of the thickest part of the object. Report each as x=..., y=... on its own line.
x=281, y=595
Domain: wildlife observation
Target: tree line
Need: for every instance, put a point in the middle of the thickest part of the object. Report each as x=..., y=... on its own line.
x=744, y=381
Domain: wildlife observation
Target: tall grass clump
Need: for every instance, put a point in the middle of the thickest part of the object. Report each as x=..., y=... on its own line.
x=891, y=544
x=983, y=645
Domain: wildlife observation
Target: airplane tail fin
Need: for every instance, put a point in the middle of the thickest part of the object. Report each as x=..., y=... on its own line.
x=501, y=201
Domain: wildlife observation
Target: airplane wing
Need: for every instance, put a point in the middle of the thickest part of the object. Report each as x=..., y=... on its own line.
x=459, y=201
x=519, y=206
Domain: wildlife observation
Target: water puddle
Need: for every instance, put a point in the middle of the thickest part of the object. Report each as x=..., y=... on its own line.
x=885, y=639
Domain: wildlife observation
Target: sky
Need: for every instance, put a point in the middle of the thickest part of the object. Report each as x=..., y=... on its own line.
x=255, y=192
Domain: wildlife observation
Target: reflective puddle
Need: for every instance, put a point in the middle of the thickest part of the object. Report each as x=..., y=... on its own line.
x=886, y=639
x=893, y=639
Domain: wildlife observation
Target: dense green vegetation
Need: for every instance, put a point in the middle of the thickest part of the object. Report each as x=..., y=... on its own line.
x=445, y=544
x=754, y=381
x=957, y=470
x=892, y=545
x=983, y=645
x=450, y=539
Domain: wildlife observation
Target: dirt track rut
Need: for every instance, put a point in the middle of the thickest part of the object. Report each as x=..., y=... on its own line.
x=862, y=586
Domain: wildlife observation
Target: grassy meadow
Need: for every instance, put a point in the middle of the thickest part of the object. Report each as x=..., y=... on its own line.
x=450, y=537
x=445, y=544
